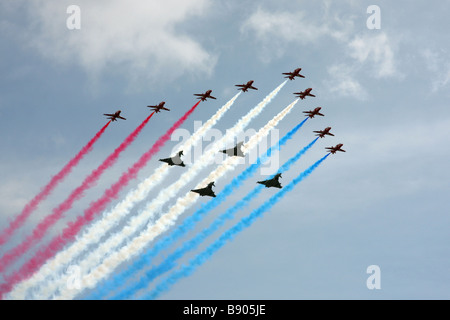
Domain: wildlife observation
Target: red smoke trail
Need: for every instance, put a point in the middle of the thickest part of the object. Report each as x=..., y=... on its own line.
x=69, y=233
x=76, y=194
x=31, y=206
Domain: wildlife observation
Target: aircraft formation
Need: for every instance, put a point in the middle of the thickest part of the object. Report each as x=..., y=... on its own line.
x=204, y=189
x=236, y=151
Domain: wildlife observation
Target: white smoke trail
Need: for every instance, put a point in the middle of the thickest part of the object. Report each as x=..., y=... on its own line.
x=137, y=244
x=130, y=228
x=55, y=266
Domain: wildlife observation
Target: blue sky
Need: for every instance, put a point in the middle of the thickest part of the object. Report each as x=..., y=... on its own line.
x=384, y=92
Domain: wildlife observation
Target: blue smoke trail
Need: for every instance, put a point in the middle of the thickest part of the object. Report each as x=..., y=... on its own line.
x=229, y=234
x=190, y=222
x=169, y=262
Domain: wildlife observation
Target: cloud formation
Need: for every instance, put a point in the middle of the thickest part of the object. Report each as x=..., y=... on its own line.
x=142, y=39
x=378, y=51
x=278, y=31
x=437, y=63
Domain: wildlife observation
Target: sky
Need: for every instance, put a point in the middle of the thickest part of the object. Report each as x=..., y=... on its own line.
x=383, y=91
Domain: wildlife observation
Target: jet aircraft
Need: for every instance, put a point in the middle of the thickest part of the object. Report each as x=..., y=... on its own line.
x=204, y=96
x=114, y=116
x=207, y=191
x=322, y=133
x=295, y=73
x=303, y=94
x=236, y=151
x=338, y=147
x=313, y=113
x=245, y=87
x=274, y=183
x=159, y=107
x=174, y=161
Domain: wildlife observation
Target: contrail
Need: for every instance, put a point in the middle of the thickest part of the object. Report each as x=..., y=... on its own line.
x=32, y=205
x=228, y=235
x=115, y=256
x=70, y=232
x=41, y=229
x=93, y=234
x=191, y=221
x=169, y=262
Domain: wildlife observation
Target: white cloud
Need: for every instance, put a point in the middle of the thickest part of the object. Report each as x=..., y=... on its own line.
x=280, y=31
x=288, y=26
x=373, y=52
x=276, y=31
x=140, y=38
x=438, y=63
x=377, y=50
x=343, y=82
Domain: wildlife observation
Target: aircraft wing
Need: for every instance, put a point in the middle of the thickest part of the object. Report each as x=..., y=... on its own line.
x=211, y=97
x=108, y=114
x=121, y=118
x=252, y=87
x=319, y=114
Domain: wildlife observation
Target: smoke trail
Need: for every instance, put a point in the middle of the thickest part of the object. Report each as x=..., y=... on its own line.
x=69, y=233
x=32, y=205
x=190, y=222
x=50, y=220
x=115, y=256
x=169, y=262
x=93, y=234
x=228, y=235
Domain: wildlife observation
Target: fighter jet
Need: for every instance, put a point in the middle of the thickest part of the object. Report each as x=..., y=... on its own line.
x=322, y=133
x=174, y=161
x=295, y=73
x=204, y=96
x=245, y=87
x=313, y=113
x=236, y=151
x=207, y=191
x=274, y=183
x=114, y=116
x=159, y=107
x=333, y=150
x=303, y=94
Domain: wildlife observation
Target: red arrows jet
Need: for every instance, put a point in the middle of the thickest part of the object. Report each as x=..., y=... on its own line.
x=313, y=113
x=295, y=73
x=114, y=116
x=245, y=87
x=159, y=107
x=333, y=150
x=204, y=96
x=322, y=133
x=302, y=95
